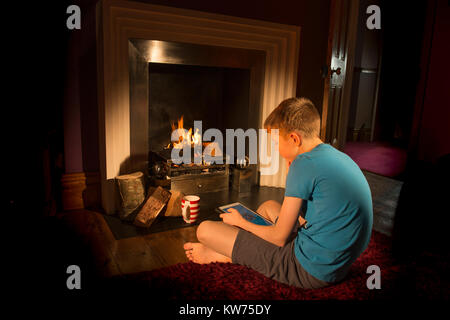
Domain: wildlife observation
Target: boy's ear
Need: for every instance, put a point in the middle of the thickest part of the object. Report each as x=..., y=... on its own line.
x=296, y=138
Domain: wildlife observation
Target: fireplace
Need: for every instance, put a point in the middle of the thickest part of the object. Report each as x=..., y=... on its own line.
x=173, y=83
x=243, y=67
x=213, y=95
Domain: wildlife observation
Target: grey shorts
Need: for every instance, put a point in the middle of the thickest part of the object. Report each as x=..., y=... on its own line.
x=278, y=263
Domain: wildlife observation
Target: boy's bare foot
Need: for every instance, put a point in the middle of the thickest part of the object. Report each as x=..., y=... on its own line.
x=198, y=253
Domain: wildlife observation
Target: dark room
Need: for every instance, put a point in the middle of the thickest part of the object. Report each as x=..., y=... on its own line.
x=220, y=154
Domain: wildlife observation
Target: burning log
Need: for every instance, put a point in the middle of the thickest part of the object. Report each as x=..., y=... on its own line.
x=152, y=207
x=185, y=137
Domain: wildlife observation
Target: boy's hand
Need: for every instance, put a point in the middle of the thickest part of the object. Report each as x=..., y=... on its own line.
x=232, y=217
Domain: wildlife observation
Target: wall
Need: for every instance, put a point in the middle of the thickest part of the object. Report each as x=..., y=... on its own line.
x=80, y=180
x=80, y=96
x=402, y=32
x=433, y=131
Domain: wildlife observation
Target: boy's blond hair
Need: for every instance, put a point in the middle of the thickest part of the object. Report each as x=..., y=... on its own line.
x=295, y=114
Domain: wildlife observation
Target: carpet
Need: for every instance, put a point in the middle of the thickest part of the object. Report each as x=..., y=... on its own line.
x=377, y=157
x=223, y=281
x=385, y=196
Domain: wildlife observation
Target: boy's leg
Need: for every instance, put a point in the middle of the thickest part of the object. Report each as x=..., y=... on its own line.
x=270, y=210
x=217, y=238
x=216, y=243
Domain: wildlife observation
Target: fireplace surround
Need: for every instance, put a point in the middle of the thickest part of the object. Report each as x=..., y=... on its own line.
x=121, y=25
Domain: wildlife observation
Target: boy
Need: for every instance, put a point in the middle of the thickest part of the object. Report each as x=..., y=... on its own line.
x=325, y=185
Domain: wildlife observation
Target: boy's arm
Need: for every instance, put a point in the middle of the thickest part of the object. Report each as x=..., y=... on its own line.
x=277, y=233
x=301, y=220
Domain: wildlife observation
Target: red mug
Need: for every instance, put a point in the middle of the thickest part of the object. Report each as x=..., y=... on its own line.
x=193, y=204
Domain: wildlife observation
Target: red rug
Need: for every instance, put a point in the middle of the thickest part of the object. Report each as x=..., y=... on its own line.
x=223, y=281
x=377, y=157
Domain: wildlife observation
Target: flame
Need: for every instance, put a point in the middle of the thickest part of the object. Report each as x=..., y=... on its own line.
x=185, y=137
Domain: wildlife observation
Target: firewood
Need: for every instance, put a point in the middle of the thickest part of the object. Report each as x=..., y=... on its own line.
x=152, y=207
x=173, y=208
x=132, y=194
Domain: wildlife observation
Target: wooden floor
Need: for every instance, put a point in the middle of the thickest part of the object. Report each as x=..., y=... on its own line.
x=130, y=255
x=154, y=250
x=157, y=250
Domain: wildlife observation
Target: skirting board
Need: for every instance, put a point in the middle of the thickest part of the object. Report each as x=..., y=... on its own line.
x=80, y=190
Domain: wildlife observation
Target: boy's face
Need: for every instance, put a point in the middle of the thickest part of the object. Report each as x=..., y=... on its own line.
x=288, y=145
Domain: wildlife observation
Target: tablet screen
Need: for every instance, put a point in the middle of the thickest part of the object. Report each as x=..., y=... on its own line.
x=248, y=214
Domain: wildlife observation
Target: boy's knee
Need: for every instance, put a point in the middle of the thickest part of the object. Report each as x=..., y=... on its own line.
x=270, y=203
x=203, y=230
x=269, y=209
x=263, y=206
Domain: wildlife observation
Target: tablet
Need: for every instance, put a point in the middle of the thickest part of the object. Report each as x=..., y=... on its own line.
x=248, y=214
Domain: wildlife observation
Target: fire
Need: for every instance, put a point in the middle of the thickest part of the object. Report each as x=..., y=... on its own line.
x=185, y=137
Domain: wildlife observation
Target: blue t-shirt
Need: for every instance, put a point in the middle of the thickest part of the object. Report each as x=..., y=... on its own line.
x=338, y=210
